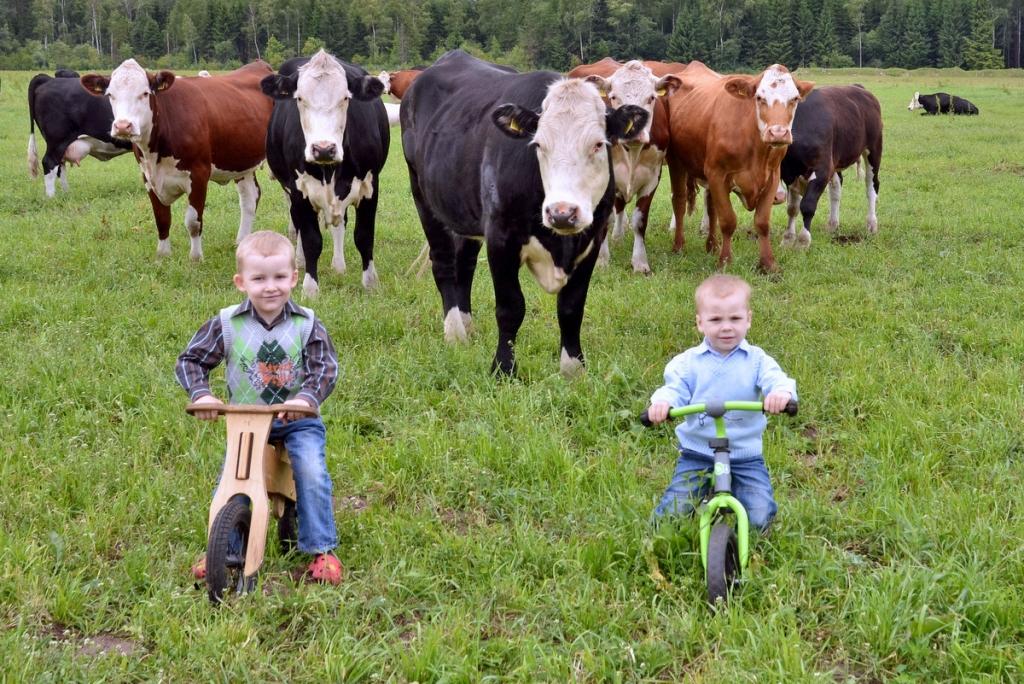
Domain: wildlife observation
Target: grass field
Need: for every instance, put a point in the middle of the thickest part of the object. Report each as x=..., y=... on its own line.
x=498, y=530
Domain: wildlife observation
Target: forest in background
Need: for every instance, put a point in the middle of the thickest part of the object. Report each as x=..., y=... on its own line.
x=728, y=35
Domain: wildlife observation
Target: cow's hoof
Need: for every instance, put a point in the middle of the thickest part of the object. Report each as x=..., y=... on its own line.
x=803, y=240
x=370, y=279
x=310, y=288
x=832, y=226
x=570, y=366
x=196, y=256
x=767, y=267
x=789, y=238
x=642, y=268
x=467, y=323
x=873, y=226
x=163, y=248
x=454, y=328
x=338, y=264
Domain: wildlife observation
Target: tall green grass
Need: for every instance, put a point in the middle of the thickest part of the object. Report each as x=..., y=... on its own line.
x=498, y=530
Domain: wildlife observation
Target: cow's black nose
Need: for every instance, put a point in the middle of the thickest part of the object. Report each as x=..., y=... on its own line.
x=563, y=215
x=324, y=151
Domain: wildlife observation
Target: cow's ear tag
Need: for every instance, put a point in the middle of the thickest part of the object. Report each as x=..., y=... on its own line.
x=660, y=92
x=629, y=127
x=514, y=126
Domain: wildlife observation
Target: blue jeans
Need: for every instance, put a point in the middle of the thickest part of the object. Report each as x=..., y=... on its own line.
x=305, y=440
x=692, y=481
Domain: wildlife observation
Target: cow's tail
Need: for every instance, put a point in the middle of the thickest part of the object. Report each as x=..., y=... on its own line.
x=33, y=154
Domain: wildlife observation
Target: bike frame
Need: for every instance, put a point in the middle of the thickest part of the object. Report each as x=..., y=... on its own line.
x=722, y=476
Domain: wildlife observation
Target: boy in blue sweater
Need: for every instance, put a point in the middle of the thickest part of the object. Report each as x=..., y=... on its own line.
x=724, y=367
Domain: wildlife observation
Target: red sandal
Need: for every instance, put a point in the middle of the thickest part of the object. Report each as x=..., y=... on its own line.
x=199, y=568
x=326, y=569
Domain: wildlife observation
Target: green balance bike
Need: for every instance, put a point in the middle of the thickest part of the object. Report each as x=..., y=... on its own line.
x=724, y=543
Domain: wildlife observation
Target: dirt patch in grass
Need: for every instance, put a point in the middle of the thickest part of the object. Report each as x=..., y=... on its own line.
x=104, y=643
x=1009, y=167
x=354, y=503
x=847, y=238
x=462, y=520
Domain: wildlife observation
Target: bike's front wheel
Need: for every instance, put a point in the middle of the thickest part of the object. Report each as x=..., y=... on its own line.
x=225, y=551
x=723, y=563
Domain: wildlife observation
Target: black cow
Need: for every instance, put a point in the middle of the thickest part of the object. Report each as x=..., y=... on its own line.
x=521, y=163
x=833, y=129
x=73, y=123
x=327, y=142
x=941, y=103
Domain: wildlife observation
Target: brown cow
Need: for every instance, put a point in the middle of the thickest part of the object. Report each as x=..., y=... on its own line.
x=188, y=131
x=397, y=82
x=729, y=134
x=637, y=163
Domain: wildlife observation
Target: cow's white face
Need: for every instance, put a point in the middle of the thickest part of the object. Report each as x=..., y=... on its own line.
x=775, y=99
x=634, y=84
x=322, y=95
x=914, y=102
x=572, y=151
x=128, y=92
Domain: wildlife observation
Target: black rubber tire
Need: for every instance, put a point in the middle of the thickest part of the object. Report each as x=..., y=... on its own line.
x=723, y=563
x=224, y=569
x=288, y=528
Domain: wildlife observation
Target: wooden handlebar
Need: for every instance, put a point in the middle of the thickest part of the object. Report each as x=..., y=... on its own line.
x=252, y=408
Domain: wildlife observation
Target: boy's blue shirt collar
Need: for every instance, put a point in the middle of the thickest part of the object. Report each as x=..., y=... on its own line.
x=704, y=347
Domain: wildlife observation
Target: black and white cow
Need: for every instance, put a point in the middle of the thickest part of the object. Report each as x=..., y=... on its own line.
x=941, y=103
x=833, y=129
x=519, y=162
x=327, y=142
x=73, y=123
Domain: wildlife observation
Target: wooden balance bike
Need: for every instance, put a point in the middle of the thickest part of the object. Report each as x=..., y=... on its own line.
x=256, y=480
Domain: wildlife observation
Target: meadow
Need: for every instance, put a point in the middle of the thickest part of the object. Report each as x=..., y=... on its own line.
x=499, y=530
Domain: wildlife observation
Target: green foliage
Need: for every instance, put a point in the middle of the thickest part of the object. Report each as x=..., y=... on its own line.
x=727, y=35
x=978, y=51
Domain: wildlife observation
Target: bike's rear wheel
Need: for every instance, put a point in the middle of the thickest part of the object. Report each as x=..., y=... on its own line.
x=225, y=558
x=723, y=563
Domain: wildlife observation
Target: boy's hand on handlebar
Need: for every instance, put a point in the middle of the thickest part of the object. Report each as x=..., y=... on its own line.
x=775, y=402
x=658, y=412
x=288, y=416
x=207, y=415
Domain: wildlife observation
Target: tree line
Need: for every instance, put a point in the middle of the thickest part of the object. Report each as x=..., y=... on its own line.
x=728, y=35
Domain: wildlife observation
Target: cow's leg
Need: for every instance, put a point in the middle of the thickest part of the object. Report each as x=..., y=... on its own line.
x=194, y=212
x=338, y=243
x=467, y=251
x=52, y=162
x=62, y=173
x=162, y=216
x=792, y=211
x=311, y=242
x=678, y=181
x=366, y=226
x=721, y=212
x=509, y=304
x=619, y=217
x=820, y=178
x=835, y=196
x=763, y=226
x=872, y=161
x=572, y=300
x=248, y=199
x=640, y=217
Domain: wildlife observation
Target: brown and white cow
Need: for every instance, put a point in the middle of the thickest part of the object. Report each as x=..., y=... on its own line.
x=834, y=128
x=730, y=134
x=637, y=163
x=188, y=131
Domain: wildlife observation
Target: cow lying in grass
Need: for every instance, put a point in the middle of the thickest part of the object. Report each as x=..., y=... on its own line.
x=941, y=103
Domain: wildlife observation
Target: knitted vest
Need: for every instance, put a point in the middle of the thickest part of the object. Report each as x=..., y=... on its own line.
x=264, y=366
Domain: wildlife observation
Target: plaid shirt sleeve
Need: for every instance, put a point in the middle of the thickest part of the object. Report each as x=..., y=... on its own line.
x=203, y=353
x=321, y=366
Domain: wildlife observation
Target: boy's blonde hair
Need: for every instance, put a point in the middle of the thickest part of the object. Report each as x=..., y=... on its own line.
x=721, y=285
x=265, y=243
